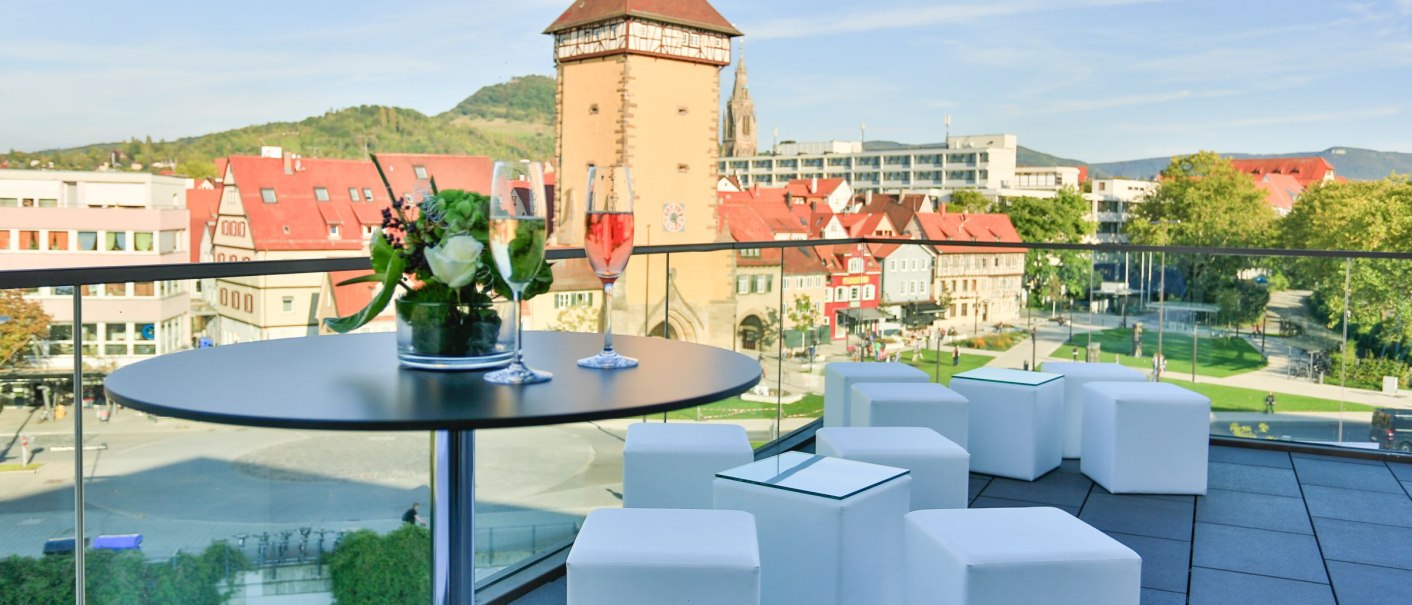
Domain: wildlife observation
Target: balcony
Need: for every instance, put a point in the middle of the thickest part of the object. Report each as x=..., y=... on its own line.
x=1299, y=509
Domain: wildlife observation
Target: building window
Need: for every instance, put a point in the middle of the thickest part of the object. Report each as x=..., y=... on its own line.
x=854, y=293
x=855, y=265
x=142, y=241
x=58, y=240
x=9, y=202
x=333, y=231
x=891, y=265
x=287, y=304
x=115, y=241
x=29, y=240
x=321, y=194
x=840, y=294
x=367, y=194
x=249, y=303
x=267, y=195
x=4, y=239
x=964, y=310
x=144, y=288
x=573, y=299
x=742, y=284
x=750, y=252
x=353, y=194
x=762, y=283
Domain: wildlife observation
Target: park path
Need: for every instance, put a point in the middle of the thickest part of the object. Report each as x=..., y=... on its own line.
x=1271, y=378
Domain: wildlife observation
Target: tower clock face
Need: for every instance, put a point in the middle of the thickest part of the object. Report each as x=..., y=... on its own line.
x=673, y=217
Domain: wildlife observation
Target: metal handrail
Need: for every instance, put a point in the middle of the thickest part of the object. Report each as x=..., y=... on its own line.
x=73, y=276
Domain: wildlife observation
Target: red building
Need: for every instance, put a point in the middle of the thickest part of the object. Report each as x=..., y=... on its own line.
x=854, y=289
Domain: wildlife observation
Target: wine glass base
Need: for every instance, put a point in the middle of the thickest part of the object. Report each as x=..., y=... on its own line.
x=608, y=360
x=518, y=373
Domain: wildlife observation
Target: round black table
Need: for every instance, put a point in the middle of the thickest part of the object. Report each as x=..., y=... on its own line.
x=353, y=383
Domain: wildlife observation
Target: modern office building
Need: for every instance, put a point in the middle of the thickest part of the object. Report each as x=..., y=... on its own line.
x=61, y=219
x=964, y=162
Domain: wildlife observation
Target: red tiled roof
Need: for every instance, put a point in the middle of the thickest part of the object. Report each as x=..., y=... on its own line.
x=969, y=228
x=800, y=187
x=1280, y=190
x=694, y=13
x=202, y=205
x=574, y=274
x=307, y=220
x=1307, y=170
x=802, y=261
x=351, y=298
x=466, y=172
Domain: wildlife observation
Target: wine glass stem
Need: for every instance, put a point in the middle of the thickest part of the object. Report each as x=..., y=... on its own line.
x=608, y=317
x=515, y=313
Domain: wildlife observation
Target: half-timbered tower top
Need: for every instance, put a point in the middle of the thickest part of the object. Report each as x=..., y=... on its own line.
x=689, y=30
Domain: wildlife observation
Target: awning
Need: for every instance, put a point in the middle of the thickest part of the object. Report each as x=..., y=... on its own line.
x=867, y=314
x=929, y=308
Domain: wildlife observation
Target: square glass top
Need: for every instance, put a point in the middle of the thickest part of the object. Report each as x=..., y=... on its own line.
x=822, y=476
x=1007, y=376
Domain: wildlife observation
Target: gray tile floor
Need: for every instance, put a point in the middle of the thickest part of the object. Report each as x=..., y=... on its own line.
x=1274, y=527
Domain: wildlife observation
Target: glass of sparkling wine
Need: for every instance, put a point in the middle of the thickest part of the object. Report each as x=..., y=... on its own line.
x=518, y=226
x=607, y=242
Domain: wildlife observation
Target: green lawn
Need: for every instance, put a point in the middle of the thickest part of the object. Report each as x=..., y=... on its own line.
x=1236, y=399
x=735, y=408
x=1219, y=357
x=943, y=372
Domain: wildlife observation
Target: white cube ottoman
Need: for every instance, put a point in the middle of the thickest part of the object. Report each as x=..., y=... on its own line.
x=1015, y=420
x=671, y=465
x=1015, y=556
x=940, y=468
x=830, y=529
x=839, y=378
x=1076, y=375
x=1145, y=437
x=924, y=404
x=646, y=556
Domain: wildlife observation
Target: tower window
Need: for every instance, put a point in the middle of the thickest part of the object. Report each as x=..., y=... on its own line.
x=681, y=111
x=593, y=109
x=683, y=168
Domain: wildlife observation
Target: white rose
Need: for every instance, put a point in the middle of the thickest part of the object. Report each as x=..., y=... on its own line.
x=455, y=260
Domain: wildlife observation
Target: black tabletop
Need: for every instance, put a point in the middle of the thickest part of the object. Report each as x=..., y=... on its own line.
x=353, y=382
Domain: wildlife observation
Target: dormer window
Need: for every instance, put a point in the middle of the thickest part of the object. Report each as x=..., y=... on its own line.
x=353, y=194
x=420, y=171
x=334, y=232
x=321, y=194
x=367, y=194
x=267, y=195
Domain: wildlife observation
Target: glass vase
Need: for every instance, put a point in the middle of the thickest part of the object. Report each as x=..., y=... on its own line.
x=451, y=337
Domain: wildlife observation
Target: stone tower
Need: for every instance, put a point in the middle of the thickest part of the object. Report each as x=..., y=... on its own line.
x=739, y=138
x=639, y=84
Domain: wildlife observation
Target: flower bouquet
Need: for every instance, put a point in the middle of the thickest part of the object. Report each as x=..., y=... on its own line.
x=437, y=253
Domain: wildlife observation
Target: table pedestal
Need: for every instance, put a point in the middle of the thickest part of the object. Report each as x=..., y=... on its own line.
x=453, y=517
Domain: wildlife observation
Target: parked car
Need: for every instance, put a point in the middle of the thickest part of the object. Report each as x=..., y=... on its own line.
x=1392, y=429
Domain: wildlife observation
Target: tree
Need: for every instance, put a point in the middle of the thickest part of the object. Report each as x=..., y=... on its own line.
x=1204, y=201
x=369, y=569
x=967, y=200
x=804, y=316
x=197, y=170
x=1372, y=216
x=1063, y=219
x=24, y=321
x=578, y=318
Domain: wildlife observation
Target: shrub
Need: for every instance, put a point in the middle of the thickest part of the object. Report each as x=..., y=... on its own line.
x=392, y=569
x=121, y=578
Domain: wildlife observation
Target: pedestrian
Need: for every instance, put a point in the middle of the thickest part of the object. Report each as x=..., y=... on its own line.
x=955, y=355
x=1270, y=402
x=1074, y=353
x=412, y=517
x=1026, y=365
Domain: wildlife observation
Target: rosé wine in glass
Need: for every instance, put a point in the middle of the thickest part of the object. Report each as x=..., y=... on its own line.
x=607, y=242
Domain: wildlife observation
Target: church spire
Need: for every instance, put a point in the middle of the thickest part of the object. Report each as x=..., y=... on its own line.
x=739, y=138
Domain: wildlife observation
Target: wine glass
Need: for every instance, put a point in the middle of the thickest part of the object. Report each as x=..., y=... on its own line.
x=607, y=241
x=518, y=227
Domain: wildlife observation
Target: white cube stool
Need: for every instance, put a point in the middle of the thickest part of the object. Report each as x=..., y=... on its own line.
x=839, y=378
x=1076, y=375
x=924, y=404
x=1015, y=420
x=1145, y=437
x=671, y=465
x=940, y=468
x=830, y=529
x=1015, y=556
x=647, y=556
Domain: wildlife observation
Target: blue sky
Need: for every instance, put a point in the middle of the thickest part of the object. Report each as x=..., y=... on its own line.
x=1096, y=80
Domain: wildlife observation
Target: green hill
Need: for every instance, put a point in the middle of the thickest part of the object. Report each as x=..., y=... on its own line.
x=1354, y=163
x=513, y=119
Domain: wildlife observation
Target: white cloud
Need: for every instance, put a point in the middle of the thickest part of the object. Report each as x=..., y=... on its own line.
x=1078, y=105
x=873, y=19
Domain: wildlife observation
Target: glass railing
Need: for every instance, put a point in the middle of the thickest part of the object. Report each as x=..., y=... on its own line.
x=226, y=511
